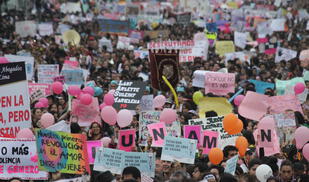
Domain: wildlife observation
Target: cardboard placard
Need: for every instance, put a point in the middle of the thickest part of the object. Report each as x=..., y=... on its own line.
x=47, y=73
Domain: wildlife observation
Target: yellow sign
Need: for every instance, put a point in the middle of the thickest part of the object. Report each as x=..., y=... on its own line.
x=223, y=47
x=218, y=104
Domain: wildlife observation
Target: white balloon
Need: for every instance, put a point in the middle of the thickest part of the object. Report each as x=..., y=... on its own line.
x=263, y=172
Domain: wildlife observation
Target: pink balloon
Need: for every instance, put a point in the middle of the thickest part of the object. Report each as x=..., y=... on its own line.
x=168, y=116
x=301, y=136
x=109, y=99
x=306, y=151
x=47, y=120
x=124, y=118
x=39, y=105
x=299, y=88
x=74, y=90
x=57, y=87
x=3, y=60
x=102, y=105
x=25, y=133
x=85, y=99
x=159, y=101
x=109, y=115
x=88, y=90
x=44, y=101
x=111, y=92
x=238, y=99
x=106, y=141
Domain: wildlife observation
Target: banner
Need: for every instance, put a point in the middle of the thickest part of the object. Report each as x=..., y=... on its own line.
x=146, y=103
x=128, y=94
x=29, y=61
x=164, y=63
x=92, y=147
x=261, y=86
x=178, y=45
x=45, y=29
x=218, y=104
x=116, y=160
x=73, y=76
x=179, y=149
x=114, y=26
x=25, y=28
x=281, y=103
x=45, y=88
x=63, y=152
x=15, y=103
x=223, y=47
x=284, y=54
x=215, y=124
x=47, y=72
x=219, y=83
x=86, y=114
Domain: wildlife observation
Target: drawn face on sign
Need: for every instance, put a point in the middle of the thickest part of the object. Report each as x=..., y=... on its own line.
x=168, y=71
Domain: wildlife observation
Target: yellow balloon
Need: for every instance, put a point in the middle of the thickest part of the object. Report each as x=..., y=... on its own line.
x=172, y=90
x=197, y=96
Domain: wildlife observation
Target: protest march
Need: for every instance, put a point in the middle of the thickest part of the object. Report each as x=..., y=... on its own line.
x=154, y=90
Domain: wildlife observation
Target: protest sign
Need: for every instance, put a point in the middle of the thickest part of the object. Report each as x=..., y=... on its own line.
x=277, y=25
x=275, y=149
x=284, y=54
x=240, y=39
x=281, y=103
x=45, y=88
x=223, y=47
x=19, y=160
x=157, y=132
x=242, y=56
x=282, y=84
x=106, y=43
x=116, y=160
x=128, y=94
x=136, y=35
x=286, y=126
x=29, y=61
x=14, y=99
x=140, y=54
x=132, y=10
x=200, y=49
x=126, y=140
x=219, y=83
x=146, y=178
x=63, y=152
x=210, y=140
x=302, y=97
x=183, y=18
x=62, y=125
x=218, y=104
x=71, y=63
x=92, y=147
x=156, y=34
x=192, y=132
x=199, y=78
x=86, y=114
x=79, y=179
x=45, y=29
x=231, y=165
x=36, y=95
x=70, y=7
x=146, y=103
x=215, y=124
x=179, y=149
x=146, y=118
x=253, y=106
x=59, y=78
x=47, y=72
x=261, y=86
x=25, y=28
x=73, y=76
x=114, y=26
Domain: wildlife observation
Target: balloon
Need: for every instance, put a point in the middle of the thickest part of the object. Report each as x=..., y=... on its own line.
x=237, y=128
x=229, y=122
x=197, y=96
x=44, y=101
x=172, y=90
x=85, y=99
x=98, y=91
x=109, y=115
x=39, y=105
x=124, y=118
x=3, y=60
x=25, y=133
x=168, y=116
x=47, y=120
x=106, y=141
x=109, y=99
x=267, y=122
x=74, y=90
x=215, y=156
x=57, y=87
x=299, y=88
x=306, y=151
x=88, y=90
x=238, y=99
x=263, y=172
x=301, y=136
x=111, y=92
x=242, y=145
x=159, y=101
x=102, y=106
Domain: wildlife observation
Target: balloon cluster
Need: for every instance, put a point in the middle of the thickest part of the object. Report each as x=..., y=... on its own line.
x=231, y=124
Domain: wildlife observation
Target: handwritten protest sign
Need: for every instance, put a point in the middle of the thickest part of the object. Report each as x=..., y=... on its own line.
x=281, y=103
x=158, y=33
x=179, y=149
x=86, y=114
x=282, y=84
x=123, y=42
x=157, y=132
x=36, y=95
x=231, y=165
x=215, y=124
x=128, y=94
x=47, y=72
x=29, y=61
x=240, y=39
x=62, y=125
x=92, y=147
x=116, y=160
x=114, y=26
x=73, y=76
x=126, y=140
x=14, y=98
x=19, y=160
x=146, y=103
x=199, y=78
x=183, y=18
x=45, y=29
x=261, y=86
x=286, y=127
x=25, y=28
x=223, y=47
x=242, y=56
x=219, y=83
x=277, y=25
x=63, y=152
x=45, y=88
x=284, y=54
x=140, y=54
